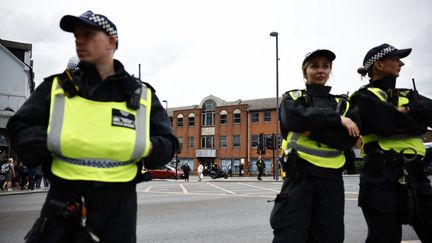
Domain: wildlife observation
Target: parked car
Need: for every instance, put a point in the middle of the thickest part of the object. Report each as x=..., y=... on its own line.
x=166, y=172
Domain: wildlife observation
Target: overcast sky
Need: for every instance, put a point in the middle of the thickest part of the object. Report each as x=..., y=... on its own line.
x=189, y=49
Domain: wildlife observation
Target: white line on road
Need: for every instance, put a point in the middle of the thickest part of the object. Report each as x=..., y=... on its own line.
x=354, y=193
x=259, y=187
x=185, y=191
x=148, y=189
x=223, y=189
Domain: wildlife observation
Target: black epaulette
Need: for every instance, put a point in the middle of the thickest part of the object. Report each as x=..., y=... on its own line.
x=299, y=95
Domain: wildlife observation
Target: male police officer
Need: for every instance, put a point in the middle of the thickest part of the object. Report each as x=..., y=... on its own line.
x=89, y=128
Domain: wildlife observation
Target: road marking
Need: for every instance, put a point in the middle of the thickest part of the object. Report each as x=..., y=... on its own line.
x=259, y=187
x=354, y=193
x=185, y=191
x=148, y=189
x=223, y=189
x=410, y=241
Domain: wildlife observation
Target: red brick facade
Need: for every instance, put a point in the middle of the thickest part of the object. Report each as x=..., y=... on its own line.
x=229, y=154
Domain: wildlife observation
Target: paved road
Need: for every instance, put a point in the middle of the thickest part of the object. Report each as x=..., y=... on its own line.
x=232, y=210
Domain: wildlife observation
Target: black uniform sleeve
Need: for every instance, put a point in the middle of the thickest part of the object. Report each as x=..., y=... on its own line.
x=383, y=119
x=421, y=108
x=27, y=129
x=324, y=123
x=164, y=142
x=299, y=118
x=338, y=137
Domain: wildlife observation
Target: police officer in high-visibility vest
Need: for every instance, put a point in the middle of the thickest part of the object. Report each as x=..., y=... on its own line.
x=394, y=188
x=317, y=127
x=91, y=129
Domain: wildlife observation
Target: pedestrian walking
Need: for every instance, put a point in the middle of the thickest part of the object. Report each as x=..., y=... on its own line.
x=200, y=172
x=317, y=127
x=394, y=188
x=90, y=129
x=8, y=170
x=260, y=164
x=186, y=170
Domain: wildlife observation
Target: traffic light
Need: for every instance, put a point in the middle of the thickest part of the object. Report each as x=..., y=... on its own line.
x=270, y=142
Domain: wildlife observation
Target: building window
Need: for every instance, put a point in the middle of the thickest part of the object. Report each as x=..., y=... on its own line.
x=191, y=142
x=254, y=141
x=236, y=141
x=191, y=121
x=180, y=140
x=207, y=142
x=180, y=120
x=255, y=117
x=267, y=116
x=223, y=117
x=208, y=113
x=236, y=118
x=171, y=120
x=222, y=141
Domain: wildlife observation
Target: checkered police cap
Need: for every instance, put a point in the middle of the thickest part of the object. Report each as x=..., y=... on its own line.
x=68, y=23
x=379, y=52
x=73, y=63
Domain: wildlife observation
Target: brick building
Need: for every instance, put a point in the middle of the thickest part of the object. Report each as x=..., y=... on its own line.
x=224, y=132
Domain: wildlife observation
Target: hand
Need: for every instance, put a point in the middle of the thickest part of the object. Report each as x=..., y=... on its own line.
x=403, y=109
x=306, y=133
x=351, y=127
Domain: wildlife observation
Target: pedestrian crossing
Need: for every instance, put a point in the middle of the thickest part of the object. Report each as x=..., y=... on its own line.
x=243, y=189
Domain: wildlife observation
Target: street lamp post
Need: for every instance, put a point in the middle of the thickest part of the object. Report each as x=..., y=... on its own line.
x=176, y=153
x=276, y=163
x=166, y=105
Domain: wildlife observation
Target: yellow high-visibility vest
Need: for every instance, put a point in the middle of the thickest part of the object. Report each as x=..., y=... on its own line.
x=316, y=153
x=409, y=144
x=97, y=141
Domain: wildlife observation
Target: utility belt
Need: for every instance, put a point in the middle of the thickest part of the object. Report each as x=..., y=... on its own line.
x=64, y=215
x=378, y=158
x=293, y=165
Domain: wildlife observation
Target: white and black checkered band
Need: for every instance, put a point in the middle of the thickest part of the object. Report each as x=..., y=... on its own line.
x=104, y=24
x=378, y=56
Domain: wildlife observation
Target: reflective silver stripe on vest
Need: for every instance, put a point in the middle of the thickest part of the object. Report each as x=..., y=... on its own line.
x=56, y=121
x=94, y=162
x=140, y=127
x=316, y=152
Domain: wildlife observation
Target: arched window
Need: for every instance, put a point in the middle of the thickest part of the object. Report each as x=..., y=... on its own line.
x=208, y=113
x=223, y=117
x=180, y=120
x=236, y=116
x=191, y=120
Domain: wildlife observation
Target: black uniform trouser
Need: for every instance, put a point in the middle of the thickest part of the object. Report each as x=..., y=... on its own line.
x=260, y=173
x=111, y=214
x=310, y=208
x=380, y=200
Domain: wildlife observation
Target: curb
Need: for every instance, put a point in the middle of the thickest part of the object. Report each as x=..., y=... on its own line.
x=20, y=192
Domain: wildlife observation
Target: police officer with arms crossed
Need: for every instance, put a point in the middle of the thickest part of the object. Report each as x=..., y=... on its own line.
x=317, y=127
x=394, y=189
x=90, y=130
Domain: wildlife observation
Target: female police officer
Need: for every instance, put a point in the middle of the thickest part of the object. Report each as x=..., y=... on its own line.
x=394, y=189
x=89, y=129
x=316, y=129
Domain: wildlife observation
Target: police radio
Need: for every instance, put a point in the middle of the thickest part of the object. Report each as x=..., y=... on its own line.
x=68, y=84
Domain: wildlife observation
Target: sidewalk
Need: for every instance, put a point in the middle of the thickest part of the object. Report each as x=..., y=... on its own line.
x=19, y=191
